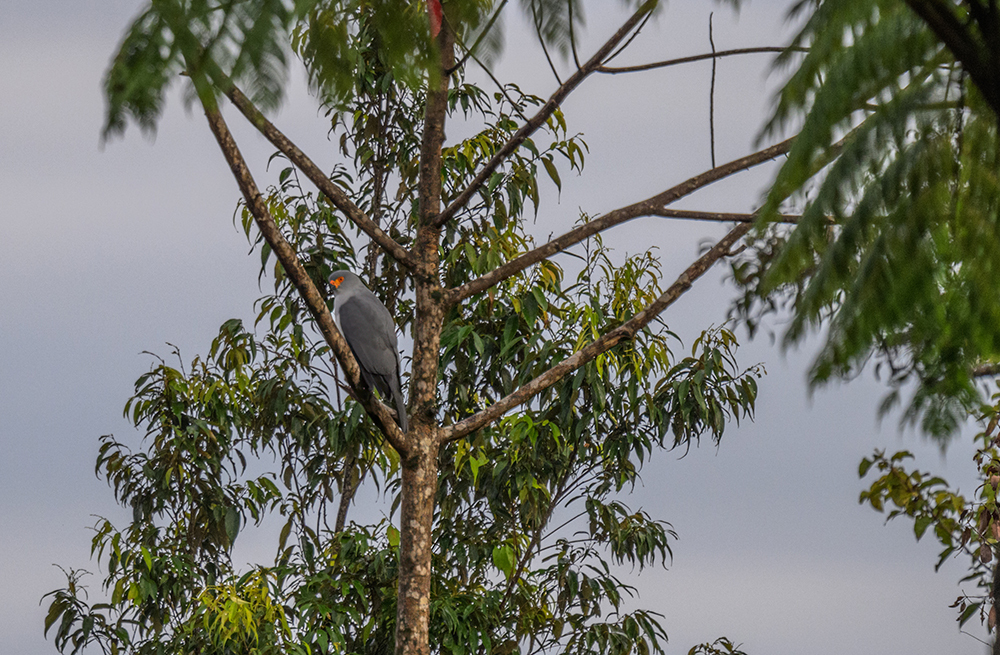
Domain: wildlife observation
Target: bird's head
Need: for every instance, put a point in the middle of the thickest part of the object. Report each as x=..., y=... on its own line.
x=342, y=281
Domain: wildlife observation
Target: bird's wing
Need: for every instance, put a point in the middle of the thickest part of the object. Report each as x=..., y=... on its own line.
x=371, y=334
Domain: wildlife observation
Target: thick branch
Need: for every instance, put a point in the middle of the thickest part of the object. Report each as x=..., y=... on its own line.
x=334, y=193
x=541, y=116
x=624, y=332
x=959, y=39
x=297, y=274
x=615, y=70
x=653, y=206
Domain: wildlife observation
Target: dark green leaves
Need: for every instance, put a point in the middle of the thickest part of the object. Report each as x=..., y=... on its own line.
x=210, y=40
x=142, y=70
x=896, y=248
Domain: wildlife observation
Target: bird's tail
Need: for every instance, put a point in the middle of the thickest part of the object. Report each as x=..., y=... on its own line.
x=397, y=395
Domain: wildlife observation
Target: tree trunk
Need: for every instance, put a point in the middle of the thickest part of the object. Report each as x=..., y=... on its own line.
x=419, y=464
x=415, y=525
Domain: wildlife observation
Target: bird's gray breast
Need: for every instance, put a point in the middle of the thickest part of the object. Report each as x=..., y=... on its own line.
x=370, y=332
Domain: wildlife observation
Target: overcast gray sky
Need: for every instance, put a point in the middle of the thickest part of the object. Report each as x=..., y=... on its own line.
x=110, y=253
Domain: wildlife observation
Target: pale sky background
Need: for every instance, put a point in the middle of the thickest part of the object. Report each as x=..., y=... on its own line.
x=110, y=253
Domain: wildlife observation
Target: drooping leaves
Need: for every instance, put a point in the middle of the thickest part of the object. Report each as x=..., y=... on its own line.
x=895, y=253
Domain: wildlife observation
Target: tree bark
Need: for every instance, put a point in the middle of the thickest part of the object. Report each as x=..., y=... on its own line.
x=419, y=469
x=419, y=477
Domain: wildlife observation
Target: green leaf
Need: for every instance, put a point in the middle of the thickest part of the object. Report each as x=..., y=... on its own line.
x=232, y=524
x=503, y=559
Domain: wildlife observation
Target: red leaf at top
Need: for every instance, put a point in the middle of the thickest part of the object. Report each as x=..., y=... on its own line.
x=434, y=11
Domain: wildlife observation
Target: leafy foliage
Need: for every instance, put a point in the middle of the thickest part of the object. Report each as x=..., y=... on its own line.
x=894, y=166
x=530, y=515
x=962, y=524
x=221, y=42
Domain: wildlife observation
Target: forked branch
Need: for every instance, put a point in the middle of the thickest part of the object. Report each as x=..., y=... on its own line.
x=543, y=114
x=653, y=206
x=624, y=332
x=297, y=274
x=335, y=194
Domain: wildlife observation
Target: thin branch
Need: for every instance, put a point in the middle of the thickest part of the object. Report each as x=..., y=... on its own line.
x=297, y=274
x=541, y=41
x=536, y=538
x=334, y=193
x=693, y=58
x=632, y=38
x=543, y=114
x=653, y=206
x=347, y=490
x=711, y=91
x=572, y=36
x=722, y=217
x=502, y=88
x=608, y=341
x=475, y=44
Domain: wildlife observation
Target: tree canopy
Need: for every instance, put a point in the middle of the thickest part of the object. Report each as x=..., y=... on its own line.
x=535, y=392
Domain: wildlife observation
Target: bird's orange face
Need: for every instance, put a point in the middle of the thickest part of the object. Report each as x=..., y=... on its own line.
x=336, y=282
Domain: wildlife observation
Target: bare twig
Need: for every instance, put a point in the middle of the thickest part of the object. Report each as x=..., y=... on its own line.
x=541, y=42
x=693, y=58
x=721, y=217
x=572, y=36
x=711, y=91
x=540, y=117
x=503, y=89
x=653, y=206
x=622, y=333
x=632, y=38
x=469, y=52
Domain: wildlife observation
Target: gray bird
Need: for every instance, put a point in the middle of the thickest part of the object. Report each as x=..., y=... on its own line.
x=371, y=333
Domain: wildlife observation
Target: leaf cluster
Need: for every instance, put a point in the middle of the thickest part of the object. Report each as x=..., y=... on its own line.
x=896, y=249
x=966, y=525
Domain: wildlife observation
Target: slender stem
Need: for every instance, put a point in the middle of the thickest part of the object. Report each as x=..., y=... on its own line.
x=711, y=92
x=536, y=537
x=347, y=490
x=541, y=40
x=693, y=58
x=470, y=51
x=722, y=217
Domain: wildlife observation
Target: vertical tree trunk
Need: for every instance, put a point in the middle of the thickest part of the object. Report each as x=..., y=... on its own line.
x=419, y=465
x=416, y=522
